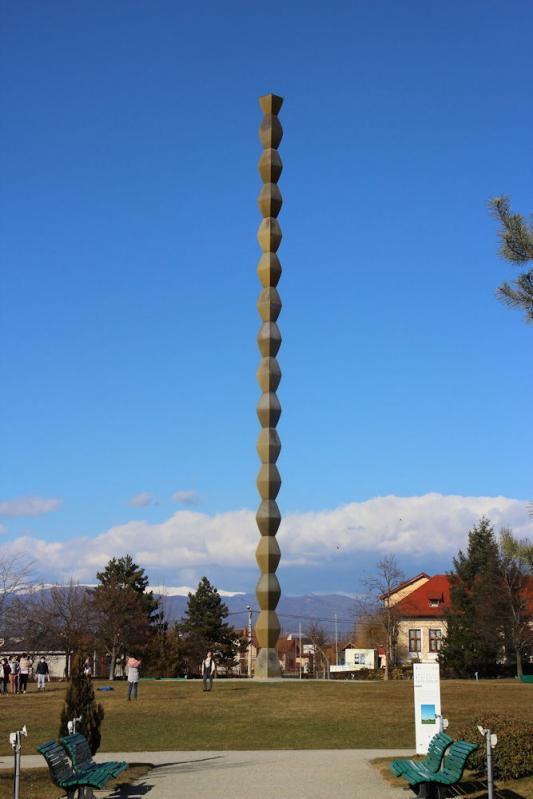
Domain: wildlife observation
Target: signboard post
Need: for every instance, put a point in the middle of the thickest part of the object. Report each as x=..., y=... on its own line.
x=426, y=679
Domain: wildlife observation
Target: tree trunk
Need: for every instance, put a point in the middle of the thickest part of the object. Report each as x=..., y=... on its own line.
x=519, y=670
x=67, y=661
x=112, y=663
x=388, y=642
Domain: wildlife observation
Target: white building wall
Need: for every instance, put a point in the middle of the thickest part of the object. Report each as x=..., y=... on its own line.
x=424, y=625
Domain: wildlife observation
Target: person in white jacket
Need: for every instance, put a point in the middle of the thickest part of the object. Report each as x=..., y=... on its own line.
x=133, y=677
x=209, y=669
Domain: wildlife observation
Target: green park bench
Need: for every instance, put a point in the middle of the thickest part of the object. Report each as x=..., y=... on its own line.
x=428, y=783
x=433, y=760
x=79, y=751
x=67, y=778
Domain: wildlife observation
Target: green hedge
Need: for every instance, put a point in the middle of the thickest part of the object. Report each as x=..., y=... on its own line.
x=402, y=672
x=512, y=757
x=369, y=674
x=360, y=674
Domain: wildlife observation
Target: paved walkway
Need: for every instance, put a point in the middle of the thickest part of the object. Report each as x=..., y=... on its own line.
x=313, y=774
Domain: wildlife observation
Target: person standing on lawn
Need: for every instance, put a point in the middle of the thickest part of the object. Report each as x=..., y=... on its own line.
x=6, y=671
x=25, y=666
x=133, y=677
x=14, y=676
x=209, y=668
x=42, y=672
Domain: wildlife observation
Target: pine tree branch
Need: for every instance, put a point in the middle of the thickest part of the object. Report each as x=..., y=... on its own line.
x=516, y=237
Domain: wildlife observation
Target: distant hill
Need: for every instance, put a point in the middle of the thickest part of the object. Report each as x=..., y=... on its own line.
x=308, y=609
x=319, y=609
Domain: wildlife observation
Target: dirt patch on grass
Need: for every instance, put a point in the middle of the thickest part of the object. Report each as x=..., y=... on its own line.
x=35, y=783
x=470, y=786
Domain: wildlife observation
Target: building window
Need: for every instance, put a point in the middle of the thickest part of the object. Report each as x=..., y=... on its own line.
x=415, y=640
x=434, y=603
x=435, y=640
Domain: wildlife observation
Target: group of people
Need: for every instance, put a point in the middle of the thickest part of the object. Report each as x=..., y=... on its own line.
x=18, y=669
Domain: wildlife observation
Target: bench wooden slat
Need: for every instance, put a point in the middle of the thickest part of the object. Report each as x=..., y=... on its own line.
x=80, y=753
x=437, y=747
x=454, y=765
x=62, y=773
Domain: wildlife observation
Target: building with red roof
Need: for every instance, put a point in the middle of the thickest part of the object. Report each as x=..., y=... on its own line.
x=422, y=626
x=420, y=606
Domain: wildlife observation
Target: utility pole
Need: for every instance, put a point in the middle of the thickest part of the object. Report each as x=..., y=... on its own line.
x=336, y=642
x=300, y=636
x=249, y=609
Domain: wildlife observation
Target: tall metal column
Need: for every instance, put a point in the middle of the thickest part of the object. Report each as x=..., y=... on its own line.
x=268, y=516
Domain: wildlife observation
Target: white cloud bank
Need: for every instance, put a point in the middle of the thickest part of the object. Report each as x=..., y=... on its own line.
x=190, y=542
x=28, y=506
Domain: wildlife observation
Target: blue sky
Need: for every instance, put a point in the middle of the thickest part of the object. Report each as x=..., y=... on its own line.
x=128, y=219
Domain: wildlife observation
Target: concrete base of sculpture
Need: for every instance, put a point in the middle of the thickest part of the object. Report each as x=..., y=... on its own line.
x=267, y=665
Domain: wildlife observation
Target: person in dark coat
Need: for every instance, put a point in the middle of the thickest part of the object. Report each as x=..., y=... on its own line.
x=5, y=671
x=42, y=671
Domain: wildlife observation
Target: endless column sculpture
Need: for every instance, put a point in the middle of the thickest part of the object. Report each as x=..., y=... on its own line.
x=268, y=516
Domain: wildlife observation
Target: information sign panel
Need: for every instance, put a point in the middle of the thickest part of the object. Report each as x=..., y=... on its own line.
x=426, y=678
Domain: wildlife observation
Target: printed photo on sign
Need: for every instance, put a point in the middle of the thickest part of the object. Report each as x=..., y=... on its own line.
x=427, y=714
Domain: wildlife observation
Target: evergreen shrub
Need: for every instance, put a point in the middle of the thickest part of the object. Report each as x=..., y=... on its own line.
x=80, y=701
x=401, y=673
x=512, y=756
x=360, y=674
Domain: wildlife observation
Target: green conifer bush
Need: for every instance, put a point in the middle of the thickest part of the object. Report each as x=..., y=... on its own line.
x=80, y=701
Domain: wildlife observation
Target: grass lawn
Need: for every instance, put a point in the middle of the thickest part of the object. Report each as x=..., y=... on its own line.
x=470, y=786
x=242, y=715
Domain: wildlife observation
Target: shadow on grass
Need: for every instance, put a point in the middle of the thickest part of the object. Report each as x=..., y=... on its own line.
x=481, y=791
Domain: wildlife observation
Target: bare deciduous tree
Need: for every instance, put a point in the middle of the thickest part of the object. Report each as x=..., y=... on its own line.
x=320, y=641
x=381, y=606
x=517, y=569
x=60, y=617
x=15, y=578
